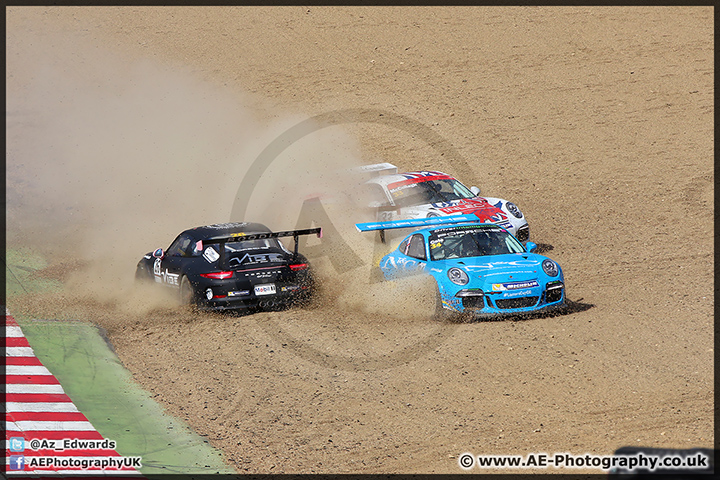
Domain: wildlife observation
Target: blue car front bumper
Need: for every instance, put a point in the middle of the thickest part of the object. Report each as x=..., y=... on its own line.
x=479, y=303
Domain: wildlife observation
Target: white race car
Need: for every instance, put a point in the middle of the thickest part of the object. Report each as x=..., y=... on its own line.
x=404, y=196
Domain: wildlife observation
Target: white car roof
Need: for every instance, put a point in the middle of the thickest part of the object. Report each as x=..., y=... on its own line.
x=385, y=180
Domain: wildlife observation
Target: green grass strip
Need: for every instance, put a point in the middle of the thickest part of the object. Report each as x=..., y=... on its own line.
x=20, y=278
x=105, y=392
x=102, y=389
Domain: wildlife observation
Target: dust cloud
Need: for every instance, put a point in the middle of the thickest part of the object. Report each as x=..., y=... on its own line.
x=108, y=159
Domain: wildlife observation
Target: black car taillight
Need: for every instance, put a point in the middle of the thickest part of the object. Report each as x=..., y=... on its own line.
x=299, y=266
x=217, y=275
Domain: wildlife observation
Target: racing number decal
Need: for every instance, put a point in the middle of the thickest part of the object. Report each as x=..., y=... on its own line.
x=164, y=277
x=157, y=269
x=385, y=216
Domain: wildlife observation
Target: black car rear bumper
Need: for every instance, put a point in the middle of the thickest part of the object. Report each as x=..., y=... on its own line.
x=265, y=302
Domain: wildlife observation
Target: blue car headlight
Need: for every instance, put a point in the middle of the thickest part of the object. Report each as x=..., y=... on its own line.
x=550, y=268
x=512, y=208
x=457, y=276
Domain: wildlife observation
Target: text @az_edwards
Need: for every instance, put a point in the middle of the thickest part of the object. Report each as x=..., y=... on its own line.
x=60, y=445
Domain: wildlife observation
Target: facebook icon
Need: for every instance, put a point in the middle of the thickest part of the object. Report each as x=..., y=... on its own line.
x=17, y=462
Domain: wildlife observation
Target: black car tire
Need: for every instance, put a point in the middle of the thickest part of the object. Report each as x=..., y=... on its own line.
x=187, y=292
x=306, y=299
x=143, y=275
x=441, y=313
x=446, y=315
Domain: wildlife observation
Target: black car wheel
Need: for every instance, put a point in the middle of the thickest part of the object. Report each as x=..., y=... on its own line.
x=446, y=315
x=305, y=298
x=187, y=292
x=441, y=313
x=143, y=275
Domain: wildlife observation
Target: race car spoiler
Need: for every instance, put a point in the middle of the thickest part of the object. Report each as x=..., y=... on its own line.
x=376, y=169
x=420, y=222
x=242, y=237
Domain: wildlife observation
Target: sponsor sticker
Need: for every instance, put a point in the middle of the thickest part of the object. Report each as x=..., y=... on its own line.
x=239, y=293
x=170, y=278
x=399, y=190
x=441, y=233
x=499, y=287
x=517, y=293
x=259, y=258
x=265, y=289
x=227, y=225
x=210, y=254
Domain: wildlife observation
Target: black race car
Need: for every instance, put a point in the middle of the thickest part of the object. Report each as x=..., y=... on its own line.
x=232, y=266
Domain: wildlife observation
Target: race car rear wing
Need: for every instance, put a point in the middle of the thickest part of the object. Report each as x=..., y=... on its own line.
x=415, y=223
x=242, y=237
x=376, y=169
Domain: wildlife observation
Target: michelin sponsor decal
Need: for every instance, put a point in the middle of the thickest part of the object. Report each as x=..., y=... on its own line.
x=500, y=287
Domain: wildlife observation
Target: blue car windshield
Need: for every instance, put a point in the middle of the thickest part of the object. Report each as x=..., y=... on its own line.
x=463, y=242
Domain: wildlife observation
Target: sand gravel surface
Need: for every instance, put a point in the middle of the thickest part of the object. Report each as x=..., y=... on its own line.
x=126, y=125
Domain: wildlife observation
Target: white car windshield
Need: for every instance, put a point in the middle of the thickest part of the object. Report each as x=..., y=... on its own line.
x=471, y=242
x=431, y=191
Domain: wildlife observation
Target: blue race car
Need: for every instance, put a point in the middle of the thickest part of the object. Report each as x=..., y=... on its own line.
x=481, y=270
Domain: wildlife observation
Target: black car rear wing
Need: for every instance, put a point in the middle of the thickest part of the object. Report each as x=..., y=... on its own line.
x=242, y=237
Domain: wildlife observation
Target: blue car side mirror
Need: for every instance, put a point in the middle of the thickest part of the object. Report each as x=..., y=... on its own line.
x=531, y=247
x=158, y=253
